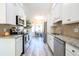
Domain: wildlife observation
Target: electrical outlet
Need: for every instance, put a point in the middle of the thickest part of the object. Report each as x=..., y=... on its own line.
x=76, y=29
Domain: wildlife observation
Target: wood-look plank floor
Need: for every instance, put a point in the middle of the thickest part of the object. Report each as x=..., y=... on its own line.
x=37, y=48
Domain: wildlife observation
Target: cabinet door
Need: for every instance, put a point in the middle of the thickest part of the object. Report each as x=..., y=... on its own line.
x=19, y=10
x=2, y=13
x=70, y=13
x=7, y=47
x=68, y=53
x=18, y=46
x=11, y=13
x=47, y=38
x=57, y=12
x=50, y=42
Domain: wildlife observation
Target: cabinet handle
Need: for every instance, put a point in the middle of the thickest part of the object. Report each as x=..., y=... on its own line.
x=73, y=51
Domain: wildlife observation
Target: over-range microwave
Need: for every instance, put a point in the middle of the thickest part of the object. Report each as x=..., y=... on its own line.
x=19, y=21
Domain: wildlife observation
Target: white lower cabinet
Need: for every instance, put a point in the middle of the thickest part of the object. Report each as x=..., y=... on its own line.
x=68, y=53
x=7, y=47
x=71, y=50
x=18, y=46
x=50, y=41
x=11, y=46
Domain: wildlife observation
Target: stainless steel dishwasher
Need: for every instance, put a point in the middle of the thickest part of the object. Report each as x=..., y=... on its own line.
x=59, y=47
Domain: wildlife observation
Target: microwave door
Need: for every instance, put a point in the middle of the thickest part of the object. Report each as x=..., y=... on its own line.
x=19, y=21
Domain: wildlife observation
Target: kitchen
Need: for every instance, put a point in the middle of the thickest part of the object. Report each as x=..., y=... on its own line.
x=13, y=29
x=60, y=31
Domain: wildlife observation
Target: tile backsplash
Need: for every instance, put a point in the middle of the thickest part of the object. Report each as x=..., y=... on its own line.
x=5, y=26
x=57, y=28
x=71, y=30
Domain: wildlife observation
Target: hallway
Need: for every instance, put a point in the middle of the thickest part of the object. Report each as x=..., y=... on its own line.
x=37, y=48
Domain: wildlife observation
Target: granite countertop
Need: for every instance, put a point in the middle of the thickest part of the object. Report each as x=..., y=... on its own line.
x=10, y=36
x=70, y=40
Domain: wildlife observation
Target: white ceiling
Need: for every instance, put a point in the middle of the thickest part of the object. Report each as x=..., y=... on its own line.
x=33, y=9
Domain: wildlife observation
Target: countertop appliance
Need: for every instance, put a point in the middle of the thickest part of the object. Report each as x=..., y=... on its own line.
x=13, y=31
x=59, y=47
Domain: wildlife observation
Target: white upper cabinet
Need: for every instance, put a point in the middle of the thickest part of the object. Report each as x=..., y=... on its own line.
x=57, y=12
x=19, y=10
x=70, y=13
x=7, y=13
x=2, y=13
x=11, y=14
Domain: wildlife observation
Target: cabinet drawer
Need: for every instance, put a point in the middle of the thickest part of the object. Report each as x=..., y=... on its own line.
x=72, y=49
x=68, y=53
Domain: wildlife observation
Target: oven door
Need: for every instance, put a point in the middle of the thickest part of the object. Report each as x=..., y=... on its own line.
x=59, y=47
